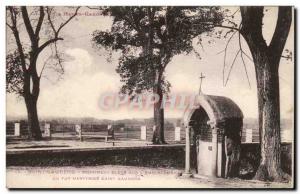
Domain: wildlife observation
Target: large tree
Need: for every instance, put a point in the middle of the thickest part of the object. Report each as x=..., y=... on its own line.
x=148, y=38
x=33, y=29
x=266, y=59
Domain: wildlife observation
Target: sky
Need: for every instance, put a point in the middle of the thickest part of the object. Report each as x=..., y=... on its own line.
x=88, y=75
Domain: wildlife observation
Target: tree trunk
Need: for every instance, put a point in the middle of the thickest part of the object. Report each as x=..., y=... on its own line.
x=33, y=120
x=269, y=107
x=158, y=133
x=30, y=70
x=31, y=98
x=266, y=61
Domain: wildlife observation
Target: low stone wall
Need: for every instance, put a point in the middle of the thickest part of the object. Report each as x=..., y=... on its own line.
x=152, y=156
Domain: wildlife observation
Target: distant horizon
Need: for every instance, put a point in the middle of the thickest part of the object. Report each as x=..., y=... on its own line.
x=9, y=117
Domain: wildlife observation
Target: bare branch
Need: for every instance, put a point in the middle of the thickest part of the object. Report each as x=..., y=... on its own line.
x=197, y=53
x=227, y=27
x=288, y=57
x=40, y=22
x=228, y=32
x=240, y=44
x=48, y=10
x=44, y=65
x=238, y=9
x=68, y=20
x=96, y=8
x=240, y=52
x=225, y=55
x=56, y=32
x=14, y=28
x=58, y=57
x=49, y=42
x=232, y=64
x=11, y=27
x=54, y=56
x=247, y=55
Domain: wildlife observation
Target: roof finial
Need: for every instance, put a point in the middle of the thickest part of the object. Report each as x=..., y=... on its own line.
x=201, y=79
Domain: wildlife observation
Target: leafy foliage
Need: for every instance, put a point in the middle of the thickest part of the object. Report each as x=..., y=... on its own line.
x=148, y=38
x=14, y=73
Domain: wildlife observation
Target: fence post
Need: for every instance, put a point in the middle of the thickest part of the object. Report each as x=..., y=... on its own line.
x=143, y=133
x=154, y=128
x=78, y=131
x=47, y=131
x=249, y=136
x=110, y=131
x=17, y=131
x=177, y=133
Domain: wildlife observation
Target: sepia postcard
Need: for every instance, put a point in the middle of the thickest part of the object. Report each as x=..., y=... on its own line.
x=191, y=97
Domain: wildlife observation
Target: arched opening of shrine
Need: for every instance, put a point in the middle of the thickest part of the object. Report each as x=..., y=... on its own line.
x=213, y=126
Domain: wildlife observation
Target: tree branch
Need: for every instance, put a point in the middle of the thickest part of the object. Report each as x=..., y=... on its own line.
x=11, y=27
x=40, y=22
x=232, y=15
x=251, y=29
x=28, y=25
x=241, y=49
x=56, y=32
x=231, y=66
x=44, y=65
x=49, y=42
x=282, y=30
x=68, y=20
x=241, y=52
x=96, y=8
x=227, y=27
x=48, y=10
x=225, y=55
x=17, y=37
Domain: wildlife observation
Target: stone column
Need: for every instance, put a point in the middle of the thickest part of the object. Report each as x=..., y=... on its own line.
x=214, y=152
x=187, y=171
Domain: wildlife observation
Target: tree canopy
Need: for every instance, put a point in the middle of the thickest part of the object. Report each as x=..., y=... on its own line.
x=148, y=38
